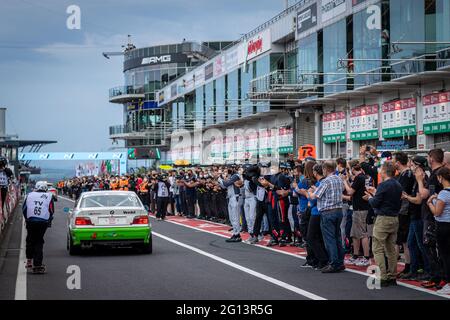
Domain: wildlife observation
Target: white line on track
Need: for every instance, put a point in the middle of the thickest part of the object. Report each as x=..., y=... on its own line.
x=406, y=285
x=261, y=276
x=21, y=280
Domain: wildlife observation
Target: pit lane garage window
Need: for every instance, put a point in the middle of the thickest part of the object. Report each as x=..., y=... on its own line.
x=99, y=201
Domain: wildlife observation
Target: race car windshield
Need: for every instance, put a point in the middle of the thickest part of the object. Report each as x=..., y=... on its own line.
x=99, y=201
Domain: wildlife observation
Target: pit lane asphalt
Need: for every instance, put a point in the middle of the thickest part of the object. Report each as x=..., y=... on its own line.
x=175, y=272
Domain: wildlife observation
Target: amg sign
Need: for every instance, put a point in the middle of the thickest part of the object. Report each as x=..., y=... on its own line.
x=156, y=59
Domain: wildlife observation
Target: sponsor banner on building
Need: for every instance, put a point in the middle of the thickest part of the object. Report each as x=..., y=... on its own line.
x=231, y=59
x=143, y=105
x=219, y=66
x=399, y=118
x=364, y=122
x=199, y=76
x=251, y=143
x=209, y=71
x=334, y=127
x=189, y=82
x=155, y=60
x=393, y=145
x=332, y=8
x=257, y=45
x=285, y=141
x=436, y=113
x=228, y=142
x=216, y=148
x=264, y=137
x=142, y=153
x=307, y=18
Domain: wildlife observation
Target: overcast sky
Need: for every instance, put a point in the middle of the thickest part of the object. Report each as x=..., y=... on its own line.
x=54, y=81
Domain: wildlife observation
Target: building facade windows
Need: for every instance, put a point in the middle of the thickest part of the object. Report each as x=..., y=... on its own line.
x=308, y=61
x=367, y=44
x=334, y=49
x=407, y=23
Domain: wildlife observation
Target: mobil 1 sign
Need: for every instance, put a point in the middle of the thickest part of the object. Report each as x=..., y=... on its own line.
x=332, y=8
x=307, y=18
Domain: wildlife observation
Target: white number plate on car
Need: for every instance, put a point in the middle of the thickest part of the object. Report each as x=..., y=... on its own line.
x=112, y=221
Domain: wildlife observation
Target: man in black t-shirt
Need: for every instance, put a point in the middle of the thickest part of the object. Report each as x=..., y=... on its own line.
x=359, y=232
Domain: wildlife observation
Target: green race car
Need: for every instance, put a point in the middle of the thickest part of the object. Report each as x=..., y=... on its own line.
x=109, y=218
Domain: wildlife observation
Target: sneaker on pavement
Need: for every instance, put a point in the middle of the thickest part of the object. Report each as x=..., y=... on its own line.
x=29, y=264
x=252, y=240
x=231, y=239
x=39, y=269
x=363, y=262
x=306, y=265
x=352, y=261
x=329, y=269
x=445, y=289
x=260, y=237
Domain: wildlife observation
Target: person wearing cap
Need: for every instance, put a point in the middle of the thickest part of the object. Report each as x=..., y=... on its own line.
x=38, y=208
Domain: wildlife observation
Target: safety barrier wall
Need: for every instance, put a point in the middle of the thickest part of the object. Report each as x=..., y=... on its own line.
x=11, y=202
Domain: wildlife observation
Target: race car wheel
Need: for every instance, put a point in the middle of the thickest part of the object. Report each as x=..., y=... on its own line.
x=147, y=248
x=73, y=250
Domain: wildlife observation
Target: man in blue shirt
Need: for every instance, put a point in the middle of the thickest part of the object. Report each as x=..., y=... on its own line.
x=329, y=204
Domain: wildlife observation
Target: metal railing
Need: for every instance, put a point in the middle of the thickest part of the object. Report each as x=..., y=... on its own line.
x=125, y=90
x=444, y=58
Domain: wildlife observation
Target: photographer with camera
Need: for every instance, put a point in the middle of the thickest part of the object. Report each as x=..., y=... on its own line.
x=367, y=159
